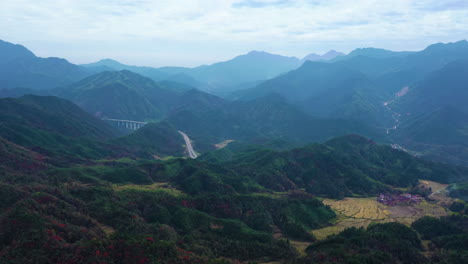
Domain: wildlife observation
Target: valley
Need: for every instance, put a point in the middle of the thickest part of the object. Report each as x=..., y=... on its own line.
x=395, y=116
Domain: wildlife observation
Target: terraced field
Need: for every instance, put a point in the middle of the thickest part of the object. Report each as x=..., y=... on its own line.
x=360, y=212
x=359, y=208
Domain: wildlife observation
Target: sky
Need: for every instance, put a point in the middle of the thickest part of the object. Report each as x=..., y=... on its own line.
x=196, y=32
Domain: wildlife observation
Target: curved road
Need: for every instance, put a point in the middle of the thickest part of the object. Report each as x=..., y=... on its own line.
x=188, y=144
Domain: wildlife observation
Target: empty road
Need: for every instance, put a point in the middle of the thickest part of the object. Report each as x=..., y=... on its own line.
x=188, y=144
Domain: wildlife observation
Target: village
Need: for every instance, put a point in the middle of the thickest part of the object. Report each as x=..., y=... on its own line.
x=399, y=199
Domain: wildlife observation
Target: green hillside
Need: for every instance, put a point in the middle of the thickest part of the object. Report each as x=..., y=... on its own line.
x=52, y=114
x=53, y=127
x=160, y=139
x=345, y=166
x=120, y=95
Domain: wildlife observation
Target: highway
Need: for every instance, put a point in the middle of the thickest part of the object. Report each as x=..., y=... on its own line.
x=191, y=153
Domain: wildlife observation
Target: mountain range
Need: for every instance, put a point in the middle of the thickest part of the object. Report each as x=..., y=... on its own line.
x=19, y=67
x=216, y=78
x=379, y=93
x=356, y=159
x=382, y=88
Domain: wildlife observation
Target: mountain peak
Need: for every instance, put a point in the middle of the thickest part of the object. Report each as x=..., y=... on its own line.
x=108, y=63
x=331, y=54
x=377, y=53
x=257, y=52
x=10, y=51
x=450, y=45
x=264, y=54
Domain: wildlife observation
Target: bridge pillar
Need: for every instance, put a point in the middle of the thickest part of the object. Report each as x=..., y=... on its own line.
x=128, y=124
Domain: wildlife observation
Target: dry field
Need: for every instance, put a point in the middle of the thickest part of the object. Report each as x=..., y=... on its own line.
x=223, y=144
x=300, y=246
x=434, y=185
x=360, y=212
x=159, y=186
x=359, y=208
x=439, y=192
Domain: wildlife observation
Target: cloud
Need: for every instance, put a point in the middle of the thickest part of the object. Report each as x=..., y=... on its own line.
x=431, y=5
x=259, y=4
x=192, y=32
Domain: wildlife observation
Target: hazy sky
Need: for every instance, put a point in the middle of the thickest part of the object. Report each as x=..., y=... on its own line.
x=194, y=32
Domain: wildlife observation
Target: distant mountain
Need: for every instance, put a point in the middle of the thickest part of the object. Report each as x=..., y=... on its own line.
x=445, y=87
x=120, y=95
x=370, y=76
x=374, y=53
x=251, y=67
x=419, y=65
x=324, y=90
x=254, y=66
x=434, y=115
x=196, y=100
x=186, y=79
x=264, y=118
x=173, y=74
x=11, y=52
x=324, y=57
x=109, y=64
x=176, y=87
x=438, y=55
x=19, y=67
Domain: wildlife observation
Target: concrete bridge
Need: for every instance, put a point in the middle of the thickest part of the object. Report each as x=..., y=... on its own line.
x=129, y=124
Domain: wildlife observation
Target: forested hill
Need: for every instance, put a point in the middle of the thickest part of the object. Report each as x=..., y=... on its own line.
x=344, y=166
x=71, y=201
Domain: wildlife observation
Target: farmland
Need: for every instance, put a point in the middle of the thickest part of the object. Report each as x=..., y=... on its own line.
x=360, y=212
x=159, y=186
